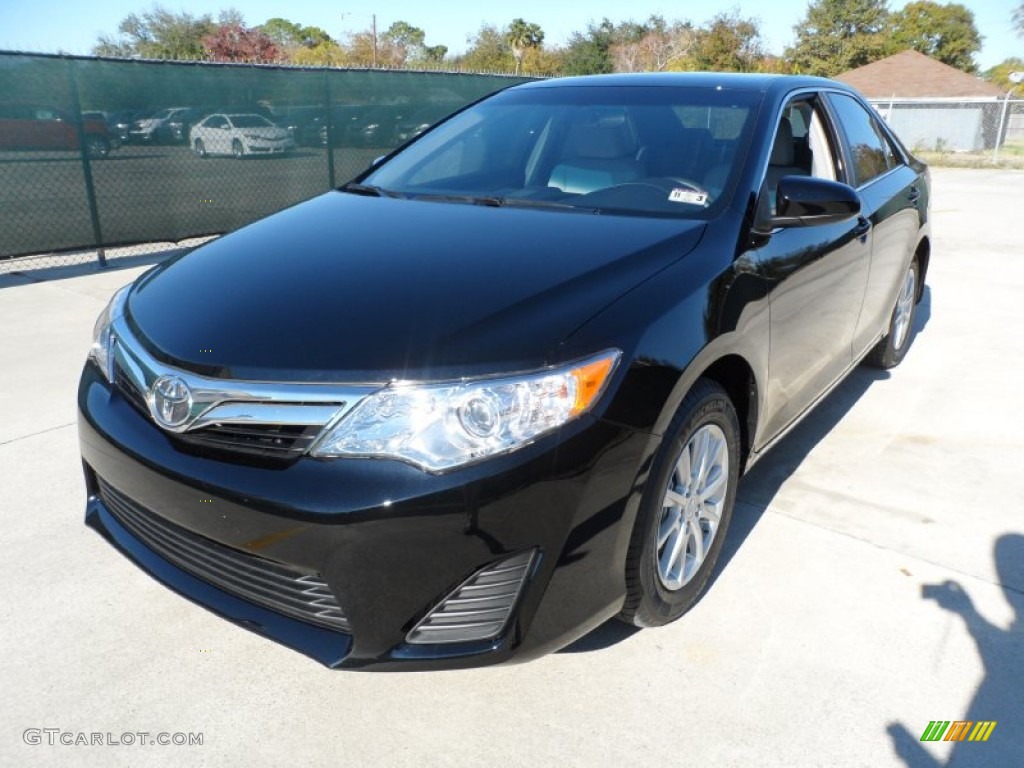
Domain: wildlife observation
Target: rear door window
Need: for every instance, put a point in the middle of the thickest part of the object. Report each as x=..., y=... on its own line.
x=871, y=154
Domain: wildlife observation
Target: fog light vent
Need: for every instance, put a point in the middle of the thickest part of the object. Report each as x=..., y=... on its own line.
x=479, y=608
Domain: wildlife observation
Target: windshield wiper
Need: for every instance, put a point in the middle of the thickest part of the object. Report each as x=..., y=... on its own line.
x=369, y=190
x=525, y=202
x=505, y=202
x=493, y=202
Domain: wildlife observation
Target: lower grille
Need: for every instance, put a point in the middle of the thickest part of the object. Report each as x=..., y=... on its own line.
x=271, y=440
x=302, y=596
x=479, y=608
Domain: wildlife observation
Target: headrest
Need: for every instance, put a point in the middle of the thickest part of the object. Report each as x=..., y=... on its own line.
x=782, y=150
x=600, y=136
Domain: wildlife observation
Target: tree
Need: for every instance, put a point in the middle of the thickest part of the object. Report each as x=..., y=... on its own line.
x=489, y=51
x=521, y=36
x=728, y=43
x=406, y=45
x=652, y=46
x=837, y=35
x=1000, y=73
x=158, y=34
x=590, y=53
x=944, y=32
x=326, y=54
x=289, y=35
x=1018, y=19
x=434, y=54
x=236, y=42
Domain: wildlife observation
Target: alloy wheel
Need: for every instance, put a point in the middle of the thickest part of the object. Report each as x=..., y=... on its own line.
x=904, y=309
x=692, y=506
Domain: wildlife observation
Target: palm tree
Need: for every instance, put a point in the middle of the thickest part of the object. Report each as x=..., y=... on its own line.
x=522, y=35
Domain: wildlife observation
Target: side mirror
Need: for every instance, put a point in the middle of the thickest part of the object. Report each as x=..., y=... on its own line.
x=804, y=201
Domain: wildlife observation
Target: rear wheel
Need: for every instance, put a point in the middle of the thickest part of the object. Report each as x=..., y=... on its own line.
x=892, y=348
x=199, y=148
x=237, y=149
x=685, y=509
x=97, y=146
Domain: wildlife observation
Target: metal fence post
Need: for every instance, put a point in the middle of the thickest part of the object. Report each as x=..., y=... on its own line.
x=327, y=129
x=1001, y=127
x=83, y=150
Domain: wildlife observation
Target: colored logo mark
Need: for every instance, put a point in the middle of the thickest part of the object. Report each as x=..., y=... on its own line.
x=958, y=730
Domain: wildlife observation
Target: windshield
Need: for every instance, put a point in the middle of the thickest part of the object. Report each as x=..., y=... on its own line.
x=637, y=149
x=250, y=121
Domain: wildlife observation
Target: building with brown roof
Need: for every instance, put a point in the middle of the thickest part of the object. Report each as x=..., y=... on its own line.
x=929, y=104
x=912, y=75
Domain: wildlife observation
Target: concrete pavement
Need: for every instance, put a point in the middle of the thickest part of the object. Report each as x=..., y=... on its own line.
x=874, y=581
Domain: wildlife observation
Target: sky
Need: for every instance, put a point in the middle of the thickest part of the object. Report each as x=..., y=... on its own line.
x=72, y=26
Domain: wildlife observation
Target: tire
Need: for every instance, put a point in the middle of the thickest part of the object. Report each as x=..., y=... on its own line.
x=892, y=348
x=199, y=148
x=659, y=587
x=96, y=147
x=237, y=149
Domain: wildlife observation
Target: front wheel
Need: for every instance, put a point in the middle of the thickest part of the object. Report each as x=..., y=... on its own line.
x=199, y=148
x=892, y=348
x=237, y=149
x=685, y=509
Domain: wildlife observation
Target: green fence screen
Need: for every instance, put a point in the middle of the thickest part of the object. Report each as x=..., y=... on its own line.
x=97, y=152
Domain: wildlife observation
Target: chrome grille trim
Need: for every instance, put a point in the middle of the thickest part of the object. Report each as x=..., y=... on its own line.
x=280, y=588
x=230, y=415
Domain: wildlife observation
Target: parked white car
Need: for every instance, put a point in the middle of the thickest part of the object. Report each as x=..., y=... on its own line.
x=239, y=135
x=153, y=128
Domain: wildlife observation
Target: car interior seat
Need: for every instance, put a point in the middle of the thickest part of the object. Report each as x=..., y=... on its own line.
x=782, y=162
x=599, y=151
x=680, y=156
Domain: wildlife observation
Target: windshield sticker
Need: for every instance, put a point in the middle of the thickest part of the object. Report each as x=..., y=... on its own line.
x=691, y=196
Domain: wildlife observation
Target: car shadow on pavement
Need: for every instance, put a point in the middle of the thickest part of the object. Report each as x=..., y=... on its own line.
x=998, y=698
x=758, y=488
x=760, y=485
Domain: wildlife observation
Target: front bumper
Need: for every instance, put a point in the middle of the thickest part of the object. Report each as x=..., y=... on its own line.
x=269, y=147
x=388, y=540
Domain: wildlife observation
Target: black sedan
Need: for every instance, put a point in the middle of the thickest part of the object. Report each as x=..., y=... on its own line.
x=501, y=387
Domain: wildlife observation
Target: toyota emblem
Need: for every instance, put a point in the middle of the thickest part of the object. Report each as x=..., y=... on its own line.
x=171, y=401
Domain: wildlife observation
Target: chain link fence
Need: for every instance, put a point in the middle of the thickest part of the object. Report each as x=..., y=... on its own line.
x=103, y=158
x=958, y=131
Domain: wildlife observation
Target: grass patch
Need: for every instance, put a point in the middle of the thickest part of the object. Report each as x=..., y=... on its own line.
x=1010, y=156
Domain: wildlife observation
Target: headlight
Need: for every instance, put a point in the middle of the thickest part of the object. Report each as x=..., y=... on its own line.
x=102, y=339
x=443, y=426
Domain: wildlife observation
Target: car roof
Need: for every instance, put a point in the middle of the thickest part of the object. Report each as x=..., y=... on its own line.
x=731, y=80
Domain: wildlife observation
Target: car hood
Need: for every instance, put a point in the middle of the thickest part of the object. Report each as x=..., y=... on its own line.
x=352, y=288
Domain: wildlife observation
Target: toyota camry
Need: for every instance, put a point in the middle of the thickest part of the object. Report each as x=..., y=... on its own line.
x=501, y=387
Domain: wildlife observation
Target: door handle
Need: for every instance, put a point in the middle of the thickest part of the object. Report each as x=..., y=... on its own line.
x=862, y=228
x=914, y=195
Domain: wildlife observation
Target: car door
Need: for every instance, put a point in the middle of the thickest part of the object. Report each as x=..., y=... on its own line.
x=893, y=198
x=52, y=130
x=815, y=275
x=216, y=135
